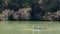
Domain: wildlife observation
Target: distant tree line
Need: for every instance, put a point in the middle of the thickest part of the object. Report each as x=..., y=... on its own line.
x=38, y=10
x=48, y=5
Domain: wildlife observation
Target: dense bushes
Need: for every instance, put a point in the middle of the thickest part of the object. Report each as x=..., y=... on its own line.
x=39, y=11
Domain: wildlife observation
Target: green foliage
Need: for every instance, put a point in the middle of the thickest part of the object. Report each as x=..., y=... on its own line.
x=27, y=3
x=50, y=5
x=23, y=3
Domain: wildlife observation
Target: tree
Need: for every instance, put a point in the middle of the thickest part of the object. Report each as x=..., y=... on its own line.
x=50, y=5
x=36, y=10
x=16, y=4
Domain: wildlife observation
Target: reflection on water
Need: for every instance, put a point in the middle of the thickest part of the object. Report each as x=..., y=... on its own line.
x=26, y=27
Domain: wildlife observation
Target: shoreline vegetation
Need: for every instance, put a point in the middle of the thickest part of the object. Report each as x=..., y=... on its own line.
x=29, y=10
